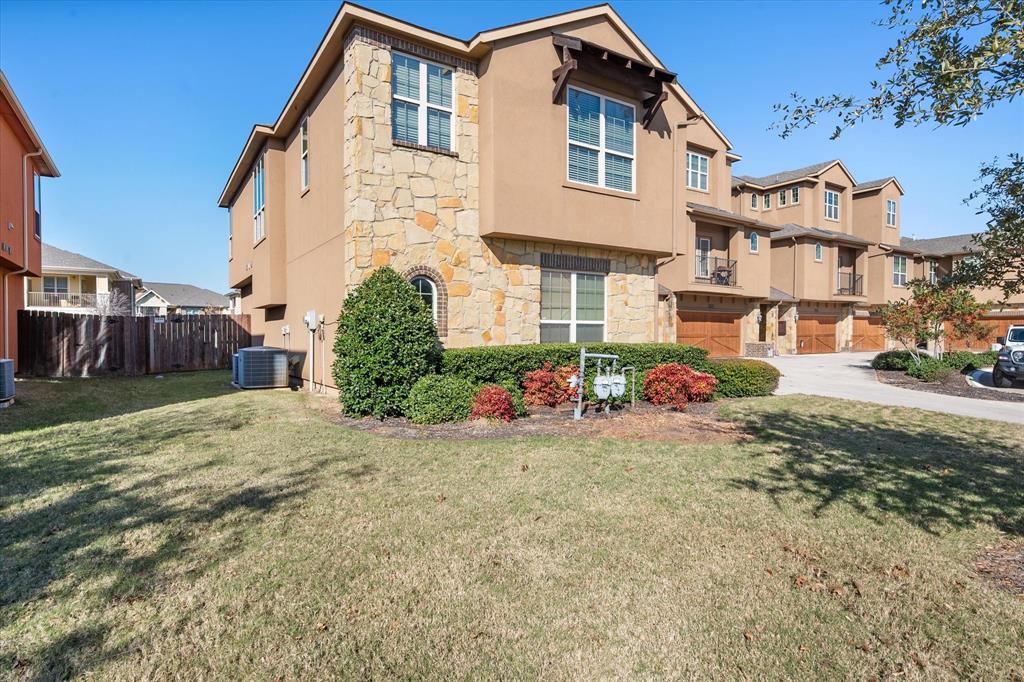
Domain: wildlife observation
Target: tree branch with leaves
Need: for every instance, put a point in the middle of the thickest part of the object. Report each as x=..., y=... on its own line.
x=931, y=310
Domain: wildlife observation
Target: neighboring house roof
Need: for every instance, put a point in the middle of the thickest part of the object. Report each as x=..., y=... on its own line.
x=330, y=49
x=871, y=185
x=185, y=295
x=794, y=230
x=23, y=123
x=780, y=295
x=57, y=259
x=900, y=249
x=942, y=246
x=714, y=212
x=783, y=177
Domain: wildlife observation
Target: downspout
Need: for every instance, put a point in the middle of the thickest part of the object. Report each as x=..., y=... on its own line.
x=675, y=187
x=24, y=253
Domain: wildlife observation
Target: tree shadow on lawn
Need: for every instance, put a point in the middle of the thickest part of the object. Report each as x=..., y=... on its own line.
x=99, y=540
x=932, y=480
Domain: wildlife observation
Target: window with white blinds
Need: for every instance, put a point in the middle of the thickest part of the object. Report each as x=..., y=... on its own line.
x=258, y=200
x=572, y=306
x=601, y=141
x=421, y=102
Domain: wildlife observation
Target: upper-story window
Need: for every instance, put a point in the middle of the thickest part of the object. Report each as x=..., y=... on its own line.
x=697, y=171
x=831, y=205
x=304, y=153
x=933, y=272
x=37, y=188
x=890, y=213
x=421, y=102
x=231, y=250
x=753, y=242
x=899, y=271
x=601, y=134
x=258, y=199
x=818, y=252
x=795, y=192
x=753, y=201
x=767, y=199
x=782, y=198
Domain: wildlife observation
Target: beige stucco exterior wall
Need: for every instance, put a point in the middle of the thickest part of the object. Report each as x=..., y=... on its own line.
x=869, y=215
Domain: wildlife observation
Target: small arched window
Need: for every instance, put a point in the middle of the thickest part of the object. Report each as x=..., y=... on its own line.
x=753, y=242
x=817, y=252
x=427, y=291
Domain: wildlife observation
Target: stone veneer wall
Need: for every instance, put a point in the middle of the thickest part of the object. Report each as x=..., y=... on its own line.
x=410, y=207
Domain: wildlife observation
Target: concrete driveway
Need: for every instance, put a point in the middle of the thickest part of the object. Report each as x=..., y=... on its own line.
x=849, y=376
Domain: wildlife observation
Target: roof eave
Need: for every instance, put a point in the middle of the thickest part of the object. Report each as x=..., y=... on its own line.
x=49, y=168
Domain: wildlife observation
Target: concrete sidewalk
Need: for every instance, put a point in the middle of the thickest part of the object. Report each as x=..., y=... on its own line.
x=849, y=376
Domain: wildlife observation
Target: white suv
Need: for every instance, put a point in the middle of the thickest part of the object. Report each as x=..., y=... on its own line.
x=1010, y=363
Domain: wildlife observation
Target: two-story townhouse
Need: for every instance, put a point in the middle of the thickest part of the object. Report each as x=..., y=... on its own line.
x=24, y=161
x=72, y=283
x=936, y=257
x=545, y=181
x=819, y=266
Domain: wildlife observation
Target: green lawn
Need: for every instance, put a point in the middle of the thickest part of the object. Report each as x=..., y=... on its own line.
x=157, y=528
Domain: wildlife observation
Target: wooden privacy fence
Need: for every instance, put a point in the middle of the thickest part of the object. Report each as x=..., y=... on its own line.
x=53, y=344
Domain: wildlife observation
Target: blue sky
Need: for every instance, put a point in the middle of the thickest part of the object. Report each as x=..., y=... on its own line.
x=145, y=106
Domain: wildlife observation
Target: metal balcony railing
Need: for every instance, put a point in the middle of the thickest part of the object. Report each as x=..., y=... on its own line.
x=715, y=270
x=849, y=284
x=46, y=299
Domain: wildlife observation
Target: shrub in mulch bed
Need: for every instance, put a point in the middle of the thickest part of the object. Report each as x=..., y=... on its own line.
x=493, y=402
x=678, y=385
x=549, y=387
x=436, y=399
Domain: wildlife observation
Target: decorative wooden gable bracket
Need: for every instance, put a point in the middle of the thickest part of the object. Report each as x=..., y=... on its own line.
x=644, y=77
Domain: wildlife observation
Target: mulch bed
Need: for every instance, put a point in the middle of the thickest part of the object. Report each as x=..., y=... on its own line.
x=954, y=384
x=699, y=424
x=1003, y=566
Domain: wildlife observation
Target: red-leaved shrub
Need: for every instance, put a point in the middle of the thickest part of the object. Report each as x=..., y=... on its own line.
x=493, y=401
x=676, y=384
x=549, y=387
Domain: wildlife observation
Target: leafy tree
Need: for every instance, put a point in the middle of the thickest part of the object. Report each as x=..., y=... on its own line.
x=922, y=318
x=386, y=341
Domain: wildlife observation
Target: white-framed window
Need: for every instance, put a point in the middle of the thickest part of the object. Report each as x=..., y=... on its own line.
x=55, y=285
x=421, y=102
x=782, y=198
x=304, y=153
x=427, y=291
x=753, y=201
x=753, y=242
x=231, y=250
x=259, y=175
x=818, y=252
x=890, y=213
x=767, y=199
x=703, y=258
x=831, y=205
x=37, y=189
x=933, y=272
x=697, y=170
x=795, y=194
x=601, y=134
x=572, y=306
x=899, y=271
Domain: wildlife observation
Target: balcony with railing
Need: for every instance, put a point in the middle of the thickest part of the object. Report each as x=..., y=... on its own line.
x=715, y=270
x=64, y=299
x=849, y=284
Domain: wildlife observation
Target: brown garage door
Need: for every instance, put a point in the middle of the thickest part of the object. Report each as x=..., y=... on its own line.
x=717, y=333
x=868, y=333
x=996, y=327
x=816, y=333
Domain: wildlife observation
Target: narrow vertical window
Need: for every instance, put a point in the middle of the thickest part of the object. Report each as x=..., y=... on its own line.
x=697, y=171
x=767, y=199
x=304, y=152
x=753, y=201
x=37, y=189
x=258, y=200
x=818, y=252
x=601, y=141
x=796, y=195
x=427, y=291
x=782, y=198
x=421, y=102
x=933, y=272
x=753, y=242
x=831, y=205
x=890, y=213
x=899, y=271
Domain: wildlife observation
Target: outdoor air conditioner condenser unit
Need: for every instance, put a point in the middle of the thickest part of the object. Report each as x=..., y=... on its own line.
x=262, y=367
x=6, y=380
x=234, y=368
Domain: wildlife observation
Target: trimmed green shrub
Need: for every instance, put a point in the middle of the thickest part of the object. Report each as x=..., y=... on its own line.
x=984, y=359
x=930, y=369
x=386, y=340
x=436, y=399
x=743, y=378
x=893, y=360
x=497, y=364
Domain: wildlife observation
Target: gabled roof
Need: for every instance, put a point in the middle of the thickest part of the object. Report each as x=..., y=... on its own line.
x=21, y=122
x=872, y=185
x=784, y=177
x=794, y=230
x=900, y=249
x=712, y=212
x=942, y=246
x=59, y=260
x=330, y=49
x=185, y=295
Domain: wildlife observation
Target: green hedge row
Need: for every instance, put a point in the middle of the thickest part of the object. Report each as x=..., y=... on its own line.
x=903, y=361
x=508, y=364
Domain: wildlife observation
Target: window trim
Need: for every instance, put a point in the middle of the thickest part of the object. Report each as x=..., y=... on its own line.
x=767, y=200
x=899, y=259
x=753, y=201
x=422, y=105
x=57, y=290
x=754, y=241
x=933, y=271
x=259, y=199
x=794, y=196
x=706, y=272
x=572, y=321
x=782, y=197
x=433, y=293
x=600, y=148
x=819, y=252
x=829, y=206
x=888, y=213
x=37, y=204
x=304, y=154
x=706, y=174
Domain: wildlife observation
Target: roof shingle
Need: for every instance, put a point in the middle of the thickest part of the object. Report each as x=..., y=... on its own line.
x=58, y=259
x=187, y=295
x=942, y=246
x=784, y=176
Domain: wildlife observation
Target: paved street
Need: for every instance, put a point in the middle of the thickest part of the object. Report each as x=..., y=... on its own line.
x=849, y=375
